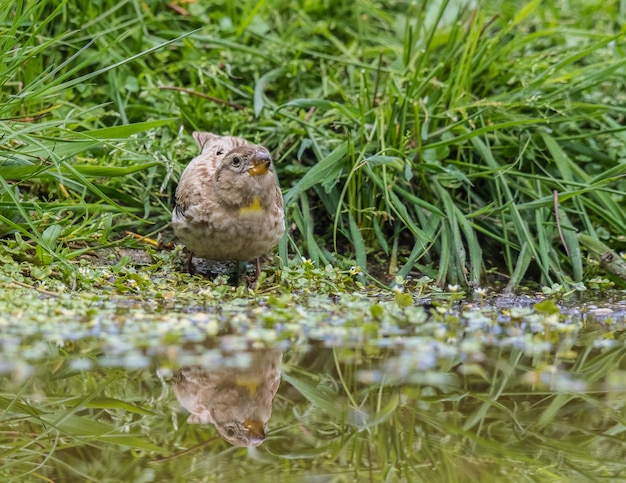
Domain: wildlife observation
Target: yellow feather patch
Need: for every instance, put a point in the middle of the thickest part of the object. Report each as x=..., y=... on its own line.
x=253, y=207
x=251, y=386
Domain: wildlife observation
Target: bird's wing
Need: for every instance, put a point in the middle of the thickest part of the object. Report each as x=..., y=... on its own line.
x=279, y=198
x=197, y=175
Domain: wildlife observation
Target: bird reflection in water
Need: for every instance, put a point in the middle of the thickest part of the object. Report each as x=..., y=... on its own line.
x=237, y=401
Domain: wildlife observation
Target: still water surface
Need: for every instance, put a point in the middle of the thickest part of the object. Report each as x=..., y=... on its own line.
x=490, y=393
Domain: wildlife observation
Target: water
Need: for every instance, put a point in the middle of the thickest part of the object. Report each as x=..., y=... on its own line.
x=348, y=389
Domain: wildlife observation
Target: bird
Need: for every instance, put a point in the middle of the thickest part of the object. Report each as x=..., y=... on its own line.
x=228, y=202
x=236, y=400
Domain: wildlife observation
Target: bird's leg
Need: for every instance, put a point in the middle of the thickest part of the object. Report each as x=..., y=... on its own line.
x=189, y=264
x=252, y=279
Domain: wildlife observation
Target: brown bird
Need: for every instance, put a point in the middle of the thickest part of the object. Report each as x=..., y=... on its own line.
x=228, y=203
x=238, y=401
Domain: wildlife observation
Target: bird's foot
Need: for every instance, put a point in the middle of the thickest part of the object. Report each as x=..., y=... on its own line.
x=251, y=280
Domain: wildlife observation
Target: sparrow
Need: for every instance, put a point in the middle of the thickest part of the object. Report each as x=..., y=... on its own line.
x=237, y=401
x=228, y=203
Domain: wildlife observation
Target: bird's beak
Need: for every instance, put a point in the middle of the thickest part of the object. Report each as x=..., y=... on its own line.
x=255, y=428
x=261, y=163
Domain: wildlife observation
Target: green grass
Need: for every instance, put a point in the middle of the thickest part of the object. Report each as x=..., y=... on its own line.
x=423, y=137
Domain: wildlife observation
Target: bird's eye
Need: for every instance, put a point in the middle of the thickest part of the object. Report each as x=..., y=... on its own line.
x=230, y=431
x=236, y=162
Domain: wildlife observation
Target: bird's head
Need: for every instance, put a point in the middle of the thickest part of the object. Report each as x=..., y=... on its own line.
x=245, y=177
x=249, y=432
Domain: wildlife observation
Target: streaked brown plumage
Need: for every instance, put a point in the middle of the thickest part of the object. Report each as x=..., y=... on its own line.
x=238, y=401
x=228, y=203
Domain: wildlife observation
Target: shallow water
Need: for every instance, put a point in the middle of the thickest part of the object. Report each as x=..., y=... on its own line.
x=339, y=389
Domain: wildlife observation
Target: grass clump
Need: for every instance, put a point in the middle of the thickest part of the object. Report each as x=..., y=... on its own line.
x=451, y=138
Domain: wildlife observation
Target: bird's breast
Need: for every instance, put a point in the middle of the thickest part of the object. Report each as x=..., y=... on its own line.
x=254, y=207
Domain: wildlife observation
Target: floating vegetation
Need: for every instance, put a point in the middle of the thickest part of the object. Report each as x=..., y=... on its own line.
x=372, y=386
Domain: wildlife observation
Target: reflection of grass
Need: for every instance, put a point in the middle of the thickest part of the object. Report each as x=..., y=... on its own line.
x=492, y=423
x=431, y=136
x=460, y=396
x=61, y=435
